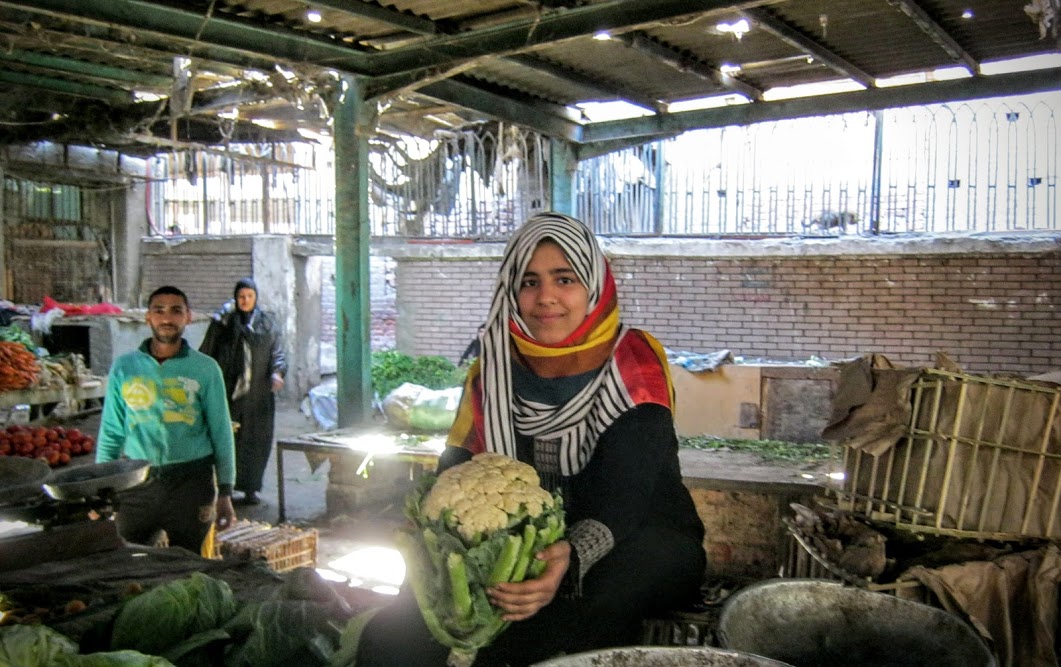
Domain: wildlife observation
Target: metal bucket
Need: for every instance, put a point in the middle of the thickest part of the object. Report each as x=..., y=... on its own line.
x=809, y=622
x=662, y=656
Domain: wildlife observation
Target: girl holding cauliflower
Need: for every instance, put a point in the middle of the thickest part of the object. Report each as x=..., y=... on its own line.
x=564, y=386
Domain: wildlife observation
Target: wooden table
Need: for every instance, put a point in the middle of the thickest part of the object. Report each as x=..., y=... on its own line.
x=354, y=443
x=94, y=391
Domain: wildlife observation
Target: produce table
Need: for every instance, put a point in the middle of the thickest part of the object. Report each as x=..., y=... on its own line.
x=362, y=442
x=94, y=390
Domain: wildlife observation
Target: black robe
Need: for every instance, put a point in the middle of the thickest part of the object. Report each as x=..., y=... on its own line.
x=255, y=410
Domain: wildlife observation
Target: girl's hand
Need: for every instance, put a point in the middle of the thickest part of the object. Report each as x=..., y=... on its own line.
x=519, y=601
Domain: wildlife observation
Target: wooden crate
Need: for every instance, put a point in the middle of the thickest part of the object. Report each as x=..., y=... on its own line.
x=980, y=458
x=284, y=547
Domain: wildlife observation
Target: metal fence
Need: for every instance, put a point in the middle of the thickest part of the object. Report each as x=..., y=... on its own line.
x=986, y=166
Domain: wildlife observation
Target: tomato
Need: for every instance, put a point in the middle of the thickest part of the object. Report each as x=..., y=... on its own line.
x=50, y=435
x=5, y=448
x=87, y=443
x=73, y=434
x=64, y=458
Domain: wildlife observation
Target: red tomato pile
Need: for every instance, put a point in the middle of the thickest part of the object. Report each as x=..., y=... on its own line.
x=52, y=444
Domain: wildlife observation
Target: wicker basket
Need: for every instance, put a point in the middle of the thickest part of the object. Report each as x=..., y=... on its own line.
x=283, y=547
x=980, y=458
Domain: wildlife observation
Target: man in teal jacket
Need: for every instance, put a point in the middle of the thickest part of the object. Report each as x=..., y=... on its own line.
x=166, y=404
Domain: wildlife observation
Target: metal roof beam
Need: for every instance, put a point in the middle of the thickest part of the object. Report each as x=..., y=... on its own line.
x=525, y=34
x=392, y=17
x=84, y=68
x=936, y=32
x=110, y=95
x=793, y=37
x=599, y=148
x=590, y=85
x=871, y=99
x=232, y=33
x=543, y=118
x=639, y=41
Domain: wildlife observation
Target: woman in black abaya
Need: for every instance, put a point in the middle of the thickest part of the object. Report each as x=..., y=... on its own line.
x=245, y=341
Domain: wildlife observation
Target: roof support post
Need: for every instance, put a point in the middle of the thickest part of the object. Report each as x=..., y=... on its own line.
x=562, y=168
x=6, y=291
x=878, y=167
x=352, y=312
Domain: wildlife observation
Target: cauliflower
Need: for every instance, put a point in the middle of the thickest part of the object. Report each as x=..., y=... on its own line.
x=475, y=525
x=485, y=494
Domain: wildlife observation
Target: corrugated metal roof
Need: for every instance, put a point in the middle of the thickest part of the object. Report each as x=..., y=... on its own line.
x=70, y=68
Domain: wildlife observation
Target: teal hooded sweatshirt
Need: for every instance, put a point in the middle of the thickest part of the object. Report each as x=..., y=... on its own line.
x=168, y=412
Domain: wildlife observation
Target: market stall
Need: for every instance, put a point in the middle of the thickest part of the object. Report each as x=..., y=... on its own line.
x=69, y=582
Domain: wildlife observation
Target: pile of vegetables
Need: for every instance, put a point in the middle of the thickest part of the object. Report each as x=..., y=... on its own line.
x=475, y=525
x=53, y=445
x=196, y=621
x=18, y=366
x=14, y=334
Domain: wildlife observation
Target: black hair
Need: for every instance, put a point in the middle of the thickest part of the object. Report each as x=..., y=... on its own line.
x=168, y=289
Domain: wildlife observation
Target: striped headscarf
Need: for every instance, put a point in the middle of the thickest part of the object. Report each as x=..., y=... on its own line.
x=632, y=364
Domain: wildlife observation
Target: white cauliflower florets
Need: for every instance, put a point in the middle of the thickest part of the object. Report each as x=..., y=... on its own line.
x=485, y=492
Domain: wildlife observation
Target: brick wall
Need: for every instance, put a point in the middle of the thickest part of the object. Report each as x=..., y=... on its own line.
x=996, y=311
x=384, y=311
x=442, y=303
x=207, y=279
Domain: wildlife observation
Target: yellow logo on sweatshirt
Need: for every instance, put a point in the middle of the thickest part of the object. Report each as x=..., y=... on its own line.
x=177, y=397
x=139, y=394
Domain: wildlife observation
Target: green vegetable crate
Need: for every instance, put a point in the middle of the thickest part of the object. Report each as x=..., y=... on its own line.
x=283, y=547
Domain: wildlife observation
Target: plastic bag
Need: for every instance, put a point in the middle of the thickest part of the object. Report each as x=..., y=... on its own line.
x=417, y=407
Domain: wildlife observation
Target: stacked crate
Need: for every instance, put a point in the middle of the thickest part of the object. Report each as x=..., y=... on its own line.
x=284, y=547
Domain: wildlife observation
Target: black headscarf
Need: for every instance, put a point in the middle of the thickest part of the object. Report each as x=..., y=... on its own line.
x=245, y=283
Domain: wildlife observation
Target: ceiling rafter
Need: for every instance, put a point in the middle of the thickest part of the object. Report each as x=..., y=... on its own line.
x=544, y=118
x=402, y=20
x=91, y=70
x=603, y=89
x=793, y=37
x=526, y=34
x=870, y=99
x=75, y=88
x=641, y=42
x=936, y=32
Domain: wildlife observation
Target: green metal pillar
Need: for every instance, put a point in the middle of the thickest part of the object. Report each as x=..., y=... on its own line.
x=353, y=309
x=562, y=167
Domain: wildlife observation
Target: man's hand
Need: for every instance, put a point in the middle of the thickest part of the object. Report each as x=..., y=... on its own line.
x=278, y=382
x=226, y=515
x=520, y=601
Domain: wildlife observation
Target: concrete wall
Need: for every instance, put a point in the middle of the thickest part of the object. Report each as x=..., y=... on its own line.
x=992, y=304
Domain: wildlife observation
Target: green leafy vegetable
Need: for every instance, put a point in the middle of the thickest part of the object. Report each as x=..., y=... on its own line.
x=391, y=368
x=33, y=646
x=112, y=659
x=281, y=633
x=16, y=334
x=163, y=617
